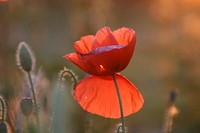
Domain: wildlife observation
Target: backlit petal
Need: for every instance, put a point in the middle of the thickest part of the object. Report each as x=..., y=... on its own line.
x=73, y=57
x=112, y=58
x=84, y=45
x=97, y=95
x=104, y=37
x=105, y=53
x=124, y=35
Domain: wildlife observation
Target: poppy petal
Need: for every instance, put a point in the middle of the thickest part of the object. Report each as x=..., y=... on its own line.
x=111, y=58
x=97, y=95
x=105, y=53
x=73, y=57
x=124, y=35
x=104, y=37
x=84, y=45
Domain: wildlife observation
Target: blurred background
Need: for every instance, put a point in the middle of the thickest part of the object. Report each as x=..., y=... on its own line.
x=167, y=56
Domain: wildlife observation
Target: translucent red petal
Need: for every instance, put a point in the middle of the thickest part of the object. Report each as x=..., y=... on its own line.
x=124, y=35
x=105, y=53
x=84, y=45
x=97, y=95
x=73, y=57
x=113, y=58
x=104, y=37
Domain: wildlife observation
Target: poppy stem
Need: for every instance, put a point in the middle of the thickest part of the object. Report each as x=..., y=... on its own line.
x=71, y=74
x=120, y=103
x=3, y=109
x=35, y=102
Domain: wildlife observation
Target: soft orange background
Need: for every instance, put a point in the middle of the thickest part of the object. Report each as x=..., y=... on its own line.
x=167, y=54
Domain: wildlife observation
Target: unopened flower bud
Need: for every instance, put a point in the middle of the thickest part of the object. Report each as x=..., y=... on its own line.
x=26, y=105
x=24, y=57
x=120, y=128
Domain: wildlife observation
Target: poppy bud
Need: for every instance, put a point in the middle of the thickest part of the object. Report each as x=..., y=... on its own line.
x=119, y=128
x=26, y=105
x=3, y=127
x=24, y=57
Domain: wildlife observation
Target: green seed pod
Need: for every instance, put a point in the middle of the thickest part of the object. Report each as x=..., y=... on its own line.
x=25, y=57
x=3, y=127
x=26, y=105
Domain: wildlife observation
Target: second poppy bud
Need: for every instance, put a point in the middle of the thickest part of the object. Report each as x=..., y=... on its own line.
x=26, y=105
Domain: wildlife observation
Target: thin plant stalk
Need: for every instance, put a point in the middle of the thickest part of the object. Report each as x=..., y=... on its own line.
x=120, y=103
x=89, y=124
x=35, y=102
x=58, y=123
x=3, y=109
x=62, y=74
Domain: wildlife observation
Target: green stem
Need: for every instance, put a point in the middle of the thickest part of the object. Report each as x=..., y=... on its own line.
x=71, y=74
x=35, y=102
x=89, y=124
x=120, y=103
x=3, y=109
x=119, y=128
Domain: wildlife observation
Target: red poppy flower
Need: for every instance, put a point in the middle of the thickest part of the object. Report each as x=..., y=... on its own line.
x=103, y=55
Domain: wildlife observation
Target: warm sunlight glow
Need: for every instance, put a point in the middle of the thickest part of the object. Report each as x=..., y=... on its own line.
x=3, y=0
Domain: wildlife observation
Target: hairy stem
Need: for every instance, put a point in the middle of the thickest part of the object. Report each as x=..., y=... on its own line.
x=35, y=102
x=3, y=109
x=71, y=74
x=120, y=103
